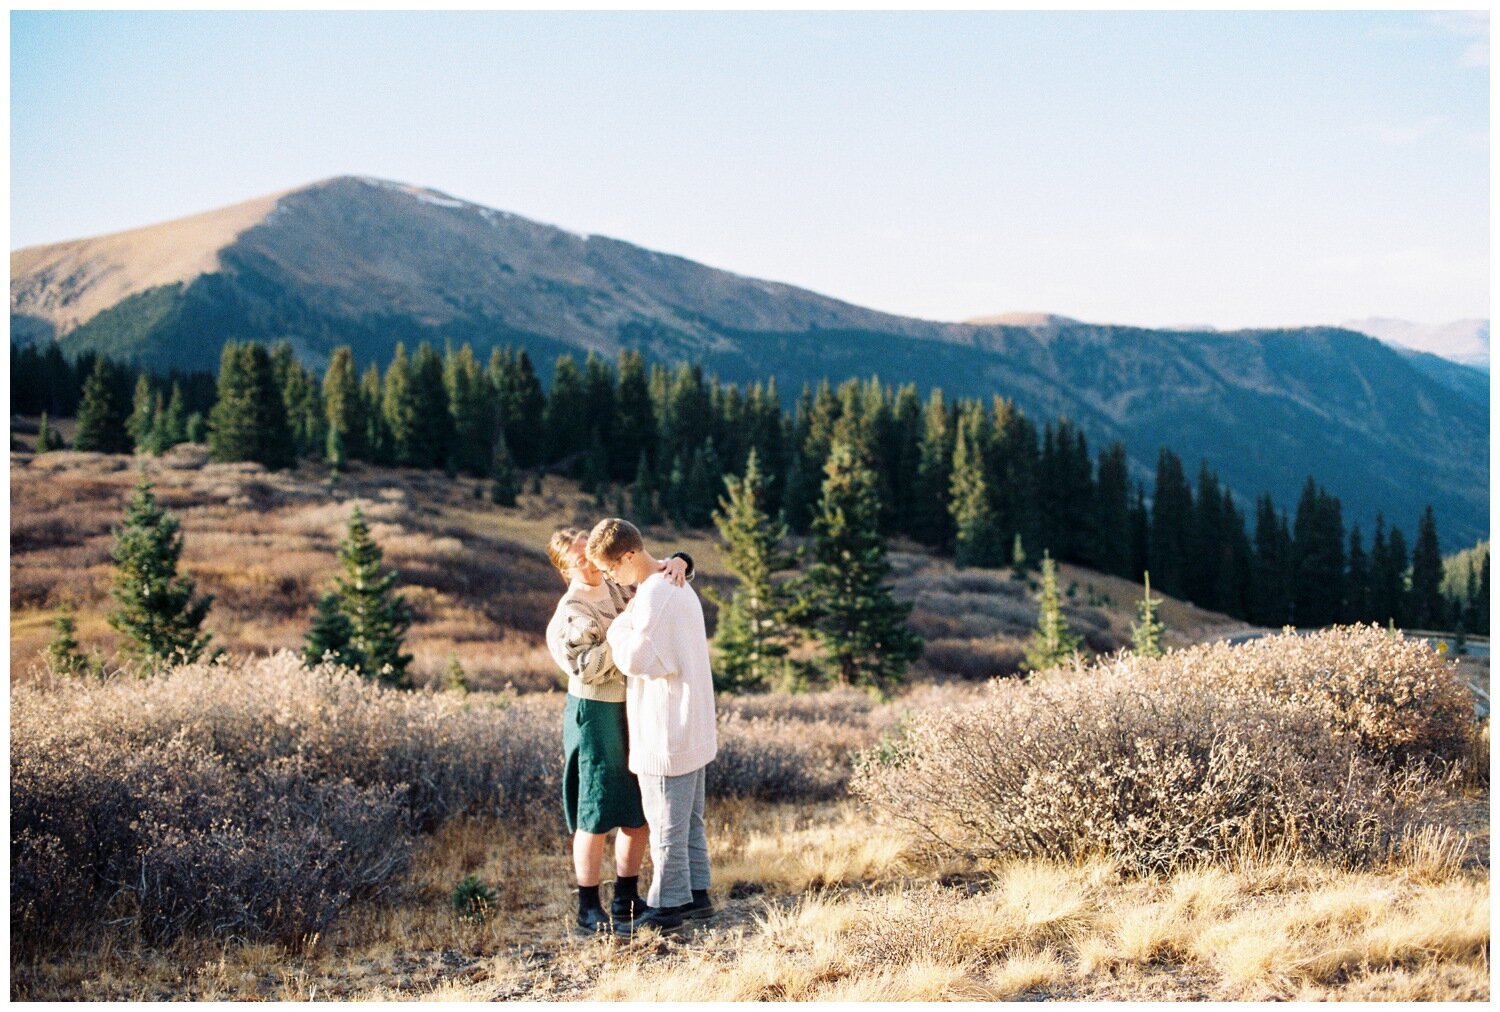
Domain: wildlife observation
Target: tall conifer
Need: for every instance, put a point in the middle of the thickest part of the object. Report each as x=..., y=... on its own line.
x=378, y=617
x=1428, y=609
x=752, y=638
x=344, y=405
x=102, y=412
x=848, y=604
x=155, y=608
x=977, y=538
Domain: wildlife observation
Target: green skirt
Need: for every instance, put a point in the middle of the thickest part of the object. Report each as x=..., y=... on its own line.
x=599, y=791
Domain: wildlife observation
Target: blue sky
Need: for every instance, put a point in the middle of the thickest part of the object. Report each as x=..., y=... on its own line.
x=1155, y=169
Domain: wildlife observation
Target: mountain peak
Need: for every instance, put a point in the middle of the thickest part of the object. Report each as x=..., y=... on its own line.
x=1464, y=341
x=68, y=283
x=1021, y=320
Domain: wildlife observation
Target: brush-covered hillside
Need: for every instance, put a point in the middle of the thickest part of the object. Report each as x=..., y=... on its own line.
x=1295, y=818
x=263, y=543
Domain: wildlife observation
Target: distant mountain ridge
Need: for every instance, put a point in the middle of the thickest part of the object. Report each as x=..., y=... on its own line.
x=1466, y=342
x=368, y=263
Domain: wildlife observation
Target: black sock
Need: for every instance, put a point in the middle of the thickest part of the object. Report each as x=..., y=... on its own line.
x=700, y=895
x=588, y=898
x=626, y=887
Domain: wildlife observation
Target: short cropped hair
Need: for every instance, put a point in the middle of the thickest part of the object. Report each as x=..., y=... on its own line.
x=612, y=538
x=558, y=547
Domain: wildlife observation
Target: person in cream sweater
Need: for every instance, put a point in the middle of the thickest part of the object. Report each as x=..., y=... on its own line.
x=659, y=642
x=599, y=791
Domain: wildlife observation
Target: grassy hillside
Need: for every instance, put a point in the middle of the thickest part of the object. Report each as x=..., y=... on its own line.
x=263, y=543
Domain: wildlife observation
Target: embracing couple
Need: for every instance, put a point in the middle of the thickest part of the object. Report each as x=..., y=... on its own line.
x=638, y=729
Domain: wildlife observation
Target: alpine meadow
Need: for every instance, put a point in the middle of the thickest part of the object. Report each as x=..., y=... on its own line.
x=415, y=600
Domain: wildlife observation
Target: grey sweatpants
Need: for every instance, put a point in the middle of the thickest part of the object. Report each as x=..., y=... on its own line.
x=679, y=845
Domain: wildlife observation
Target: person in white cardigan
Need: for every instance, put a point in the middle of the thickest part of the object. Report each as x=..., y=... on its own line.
x=660, y=643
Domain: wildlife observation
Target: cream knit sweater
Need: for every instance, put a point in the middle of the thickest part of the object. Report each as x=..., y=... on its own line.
x=575, y=638
x=660, y=643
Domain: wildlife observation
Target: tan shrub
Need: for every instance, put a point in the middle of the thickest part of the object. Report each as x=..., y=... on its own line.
x=1390, y=696
x=784, y=759
x=975, y=659
x=1156, y=780
x=172, y=837
x=249, y=796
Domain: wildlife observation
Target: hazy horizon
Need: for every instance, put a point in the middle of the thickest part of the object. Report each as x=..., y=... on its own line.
x=1148, y=169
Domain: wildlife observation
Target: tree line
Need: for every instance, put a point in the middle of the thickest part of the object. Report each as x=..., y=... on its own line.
x=978, y=480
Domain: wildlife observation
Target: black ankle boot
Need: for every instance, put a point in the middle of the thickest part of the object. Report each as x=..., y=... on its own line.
x=627, y=904
x=591, y=917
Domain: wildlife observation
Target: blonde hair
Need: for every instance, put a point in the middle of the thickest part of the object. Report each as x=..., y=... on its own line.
x=558, y=547
x=612, y=538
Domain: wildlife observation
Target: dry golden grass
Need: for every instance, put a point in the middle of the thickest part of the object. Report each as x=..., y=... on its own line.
x=819, y=904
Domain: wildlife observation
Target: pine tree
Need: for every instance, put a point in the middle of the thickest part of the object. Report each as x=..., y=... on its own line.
x=47, y=439
x=1357, y=581
x=102, y=413
x=432, y=432
x=520, y=406
x=847, y=603
x=796, y=488
x=1205, y=542
x=977, y=537
x=1236, y=561
x=301, y=397
x=154, y=607
x=472, y=413
x=378, y=617
x=633, y=435
x=1146, y=634
x=378, y=447
x=676, y=504
x=138, y=425
x=331, y=632
x=1397, y=590
x=1317, y=559
x=174, y=426
x=599, y=419
x=399, y=410
x=703, y=475
x=1171, y=524
x=1013, y=466
x=248, y=420
x=593, y=476
x=1112, y=516
x=566, y=420
x=62, y=652
x=335, y=452
x=505, y=484
x=643, y=495
x=905, y=457
x=752, y=638
x=344, y=406
x=1482, y=598
x=1140, y=531
x=454, y=678
x=1052, y=643
x=197, y=428
x=1018, y=568
x=1427, y=606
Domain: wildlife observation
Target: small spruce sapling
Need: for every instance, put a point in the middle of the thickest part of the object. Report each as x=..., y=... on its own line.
x=1146, y=634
